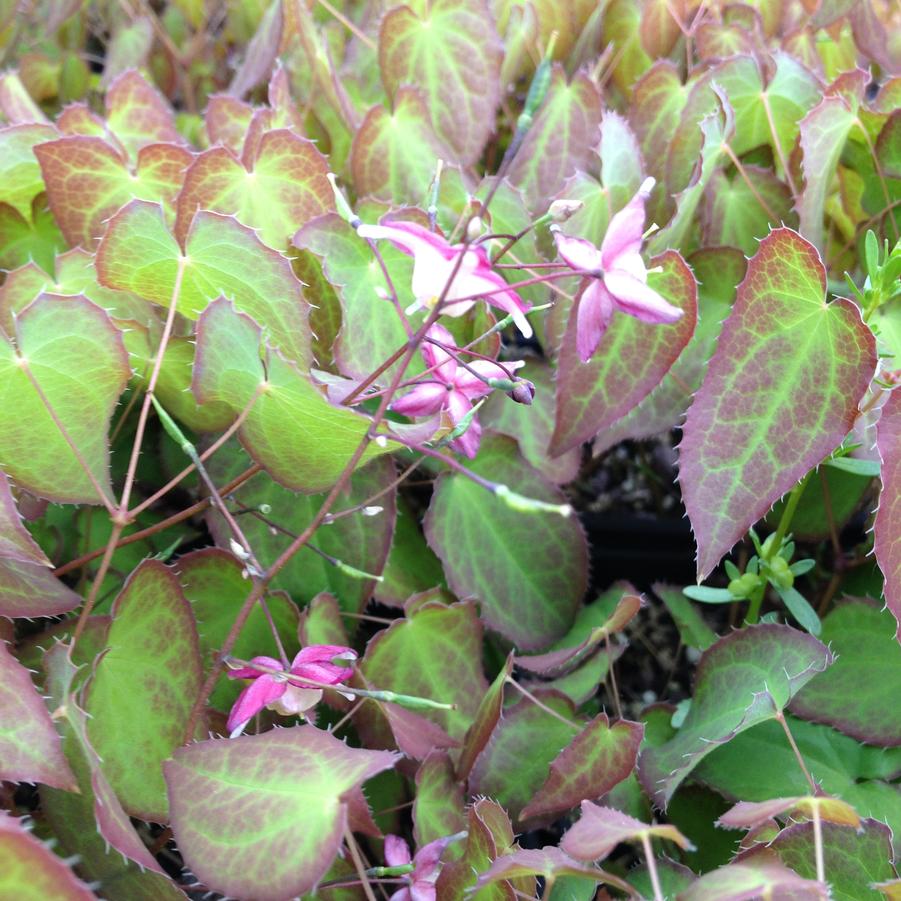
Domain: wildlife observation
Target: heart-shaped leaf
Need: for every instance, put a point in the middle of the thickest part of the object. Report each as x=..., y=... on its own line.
x=528, y=571
x=143, y=687
x=221, y=257
x=59, y=386
x=745, y=441
x=631, y=360
x=263, y=816
x=20, y=174
x=744, y=679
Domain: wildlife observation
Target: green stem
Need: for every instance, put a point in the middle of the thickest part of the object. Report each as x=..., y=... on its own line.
x=787, y=514
x=756, y=599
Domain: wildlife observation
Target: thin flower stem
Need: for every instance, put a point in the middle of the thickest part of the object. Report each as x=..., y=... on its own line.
x=542, y=706
x=652, y=866
x=818, y=844
x=757, y=195
x=347, y=716
x=123, y=417
x=362, y=36
x=341, y=514
x=814, y=789
x=160, y=526
x=614, y=689
x=203, y=457
x=148, y=395
x=777, y=146
x=789, y=512
x=108, y=552
x=830, y=514
x=392, y=290
x=357, y=858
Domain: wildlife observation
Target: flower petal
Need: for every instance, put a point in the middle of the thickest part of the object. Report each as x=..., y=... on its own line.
x=296, y=700
x=423, y=400
x=593, y=316
x=468, y=443
x=437, y=356
x=577, y=252
x=259, y=694
x=423, y=891
x=410, y=237
x=427, y=856
x=626, y=228
x=638, y=299
x=397, y=852
x=248, y=672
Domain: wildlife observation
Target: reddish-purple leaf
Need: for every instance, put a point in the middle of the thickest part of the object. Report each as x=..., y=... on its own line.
x=138, y=115
x=751, y=814
x=244, y=816
x=227, y=120
x=30, y=871
x=748, y=881
x=261, y=51
x=30, y=748
x=416, y=737
x=600, y=829
x=780, y=393
x=631, y=360
x=598, y=758
x=486, y=718
x=887, y=528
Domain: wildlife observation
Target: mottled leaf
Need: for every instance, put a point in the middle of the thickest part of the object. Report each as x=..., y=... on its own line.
x=143, y=687
x=631, y=360
x=291, y=430
x=753, y=879
x=858, y=692
x=887, y=528
x=66, y=371
x=439, y=802
x=560, y=140
x=451, y=50
x=750, y=814
x=527, y=571
x=20, y=174
x=744, y=679
x=221, y=257
x=30, y=749
x=137, y=114
x=242, y=812
x=747, y=440
x=486, y=719
x=282, y=187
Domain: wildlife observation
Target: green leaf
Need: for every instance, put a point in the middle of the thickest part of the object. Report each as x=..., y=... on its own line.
x=485, y=721
x=692, y=629
x=528, y=571
x=143, y=687
x=451, y=51
x=439, y=802
x=887, y=528
x=709, y=595
x=857, y=694
x=752, y=879
x=137, y=114
x=394, y=154
x=516, y=762
x=743, y=449
x=23, y=240
x=213, y=583
x=371, y=329
x=282, y=186
x=221, y=257
x=433, y=653
x=560, y=140
x=20, y=174
x=30, y=748
x=867, y=468
x=597, y=759
x=800, y=609
x=853, y=859
x=631, y=360
x=88, y=180
x=358, y=540
x=68, y=358
x=291, y=430
x=30, y=871
x=744, y=679
x=264, y=816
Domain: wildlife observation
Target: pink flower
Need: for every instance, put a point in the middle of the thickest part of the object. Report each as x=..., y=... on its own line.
x=425, y=866
x=452, y=387
x=621, y=282
x=274, y=691
x=434, y=260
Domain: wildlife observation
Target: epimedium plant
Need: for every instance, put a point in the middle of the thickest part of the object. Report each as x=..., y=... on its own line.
x=321, y=323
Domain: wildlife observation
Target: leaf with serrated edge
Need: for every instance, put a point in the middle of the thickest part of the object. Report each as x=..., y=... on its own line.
x=88, y=180
x=439, y=802
x=780, y=393
x=292, y=430
x=30, y=871
x=753, y=879
x=859, y=692
x=451, y=50
x=560, y=140
x=76, y=357
x=528, y=571
x=751, y=814
x=137, y=114
x=600, y=829
x=284, y=186
x=598, y=758
x=744, y=679
x=221, y=257
x=30, y=748
x=887, y=527
x=263, y=816
x=143, y=686
x=20, y=174
x=485, y=721
x=631, y=360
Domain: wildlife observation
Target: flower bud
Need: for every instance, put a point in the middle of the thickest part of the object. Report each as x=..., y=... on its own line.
x=523, y=392
x=475, y=228
x=560, y=210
